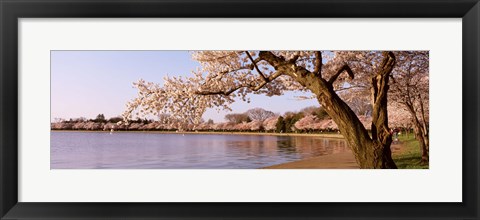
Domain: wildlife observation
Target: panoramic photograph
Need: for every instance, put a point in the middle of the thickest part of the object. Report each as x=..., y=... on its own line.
x=216, y=109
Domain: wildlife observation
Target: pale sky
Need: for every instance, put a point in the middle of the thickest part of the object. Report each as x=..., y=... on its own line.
x=88, y=83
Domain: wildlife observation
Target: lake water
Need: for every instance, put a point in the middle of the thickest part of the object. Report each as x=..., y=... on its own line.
x=138, y=150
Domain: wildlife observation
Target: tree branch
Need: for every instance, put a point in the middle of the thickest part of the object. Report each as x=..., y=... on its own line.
x=251, y=87
x=255, y=65
x=318, y=63
x=379, y=100
x=271, y=58
x=246, y=67
x=231, y=71
x=345, y=67
x=274, y=60
x=351, y=87
x=294, y=58
x=267, y=80
x=226, y=93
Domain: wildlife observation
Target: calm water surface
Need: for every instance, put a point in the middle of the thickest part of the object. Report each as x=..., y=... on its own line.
x=122, y=150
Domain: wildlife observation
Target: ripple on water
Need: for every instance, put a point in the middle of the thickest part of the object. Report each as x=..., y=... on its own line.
x=96, y=150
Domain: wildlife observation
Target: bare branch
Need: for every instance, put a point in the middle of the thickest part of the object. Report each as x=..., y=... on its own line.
x=255, y=65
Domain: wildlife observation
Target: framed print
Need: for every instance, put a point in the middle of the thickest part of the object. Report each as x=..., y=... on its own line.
x=224, y=109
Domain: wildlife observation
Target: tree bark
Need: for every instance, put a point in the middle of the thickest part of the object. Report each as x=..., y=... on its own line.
x=424, y=149
x=421, y=133
x=380, y=132
x=370, y=152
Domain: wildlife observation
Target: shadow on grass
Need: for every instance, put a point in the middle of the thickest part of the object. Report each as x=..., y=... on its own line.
x=410, y=157
x=409, y=161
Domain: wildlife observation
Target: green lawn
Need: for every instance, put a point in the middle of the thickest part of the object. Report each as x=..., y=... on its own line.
x=410, y=156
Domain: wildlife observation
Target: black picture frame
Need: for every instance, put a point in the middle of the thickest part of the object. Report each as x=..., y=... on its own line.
x=12, y=10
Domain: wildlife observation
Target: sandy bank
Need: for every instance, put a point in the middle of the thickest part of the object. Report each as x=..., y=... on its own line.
x=333, y=161
x=344, y=160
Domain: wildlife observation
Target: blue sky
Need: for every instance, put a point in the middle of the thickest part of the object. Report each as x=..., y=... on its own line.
x=88, y=83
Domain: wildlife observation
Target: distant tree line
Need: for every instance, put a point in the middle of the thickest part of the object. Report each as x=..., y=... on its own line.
x=308, y=120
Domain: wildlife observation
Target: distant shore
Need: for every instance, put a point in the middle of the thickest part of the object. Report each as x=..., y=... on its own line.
x=322, y=135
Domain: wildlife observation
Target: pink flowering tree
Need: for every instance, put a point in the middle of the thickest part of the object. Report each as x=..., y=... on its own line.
x=307, y=123
x=255, y=125
x=398, y=116
x=225, y=76
x=270, y=123
x=410, y=88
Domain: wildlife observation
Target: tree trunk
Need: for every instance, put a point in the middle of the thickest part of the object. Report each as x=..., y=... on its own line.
x=424, y=153
x=421, y=133
x=421, y=144
x=380, y=131
x=370, y=152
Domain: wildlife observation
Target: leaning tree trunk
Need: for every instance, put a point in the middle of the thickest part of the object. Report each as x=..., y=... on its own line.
x=421, y=138
x=421, y=133
x=425, y=132
x=370, y=152
x=424, y=149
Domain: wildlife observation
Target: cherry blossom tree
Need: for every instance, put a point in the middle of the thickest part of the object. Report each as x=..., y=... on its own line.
x=410, y=88
x=255, y=125
x=307, y=123
x=398, y=116
x=135, y=126
x=244, y=126
x=79, y=126
x=204, y=126
x=360, y=103
x=328, y=124
x=108, y=126
x=225, y=76
x=62, y=126
x=270, y=123
x=218, y=127
x=93, y=126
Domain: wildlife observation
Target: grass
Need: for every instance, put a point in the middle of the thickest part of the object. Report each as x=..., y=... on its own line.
x=410, y=156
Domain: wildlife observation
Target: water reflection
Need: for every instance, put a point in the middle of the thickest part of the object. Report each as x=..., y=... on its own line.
x=193, y=151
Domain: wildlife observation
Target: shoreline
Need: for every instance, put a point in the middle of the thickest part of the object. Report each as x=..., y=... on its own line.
x=325, y=135
x=344, y=160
